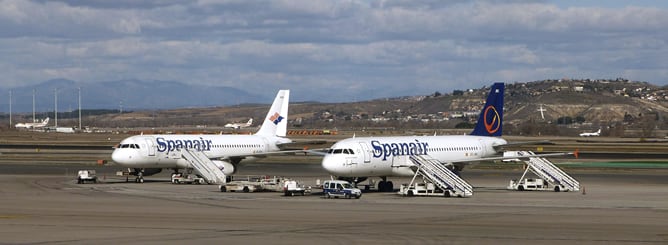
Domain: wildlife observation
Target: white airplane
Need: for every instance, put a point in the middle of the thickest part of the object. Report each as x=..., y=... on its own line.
x=33, y=125
x=239, y=125
x=597, y=133
x=357, y=158
x=145, y=155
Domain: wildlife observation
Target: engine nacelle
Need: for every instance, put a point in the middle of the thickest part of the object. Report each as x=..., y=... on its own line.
x=145, y=171
x=227, y=167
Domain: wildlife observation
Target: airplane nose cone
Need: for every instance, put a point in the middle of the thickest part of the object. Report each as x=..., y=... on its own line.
x=331, y=164
x=118, y=156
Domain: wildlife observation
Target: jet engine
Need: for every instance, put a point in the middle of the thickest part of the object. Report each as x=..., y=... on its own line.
x=227, y=167
x=145, y=171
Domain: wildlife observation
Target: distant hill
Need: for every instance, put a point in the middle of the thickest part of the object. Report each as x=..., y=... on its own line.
x=612, y=105
x=125, y=94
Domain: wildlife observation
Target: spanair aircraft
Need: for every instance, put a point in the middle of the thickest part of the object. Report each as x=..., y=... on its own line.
x=239, y=125
x=356, y=159
x=145, y=155
x=33, y=125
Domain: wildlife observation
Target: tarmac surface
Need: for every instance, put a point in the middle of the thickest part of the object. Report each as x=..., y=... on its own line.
x=40, y=203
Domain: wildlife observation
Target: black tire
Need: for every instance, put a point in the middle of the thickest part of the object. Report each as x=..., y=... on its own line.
x=327, y=195
x=390, y=186
x=382, y=186
x=245, y=189
x=557, y=189
x=223, y=189
x=520, y=188
x=446, y=193
x=410, y=193
x=358, y=196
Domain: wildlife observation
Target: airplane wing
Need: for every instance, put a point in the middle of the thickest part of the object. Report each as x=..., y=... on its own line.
x=541, y=142
x=575, y=153
x=261, y=154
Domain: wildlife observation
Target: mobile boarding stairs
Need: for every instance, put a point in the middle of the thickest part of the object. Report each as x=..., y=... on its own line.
x=547, y=171
x=436, y=172
x=203, y=165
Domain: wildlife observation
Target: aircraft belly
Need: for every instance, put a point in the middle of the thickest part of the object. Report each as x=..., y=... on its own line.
x=402, y=171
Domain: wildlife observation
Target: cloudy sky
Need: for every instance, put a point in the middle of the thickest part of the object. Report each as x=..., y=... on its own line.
x=332, y=50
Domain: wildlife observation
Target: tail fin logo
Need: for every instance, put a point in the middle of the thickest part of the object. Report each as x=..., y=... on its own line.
x=276, y=118
x=491, y=119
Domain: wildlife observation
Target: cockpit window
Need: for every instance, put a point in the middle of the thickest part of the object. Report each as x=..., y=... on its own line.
x=132, y=146
x=338, y=151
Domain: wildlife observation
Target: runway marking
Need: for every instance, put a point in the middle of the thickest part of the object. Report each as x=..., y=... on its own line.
x=12, y=216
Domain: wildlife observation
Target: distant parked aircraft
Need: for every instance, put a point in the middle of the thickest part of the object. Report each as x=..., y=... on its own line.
x=597, y=133
x=240, y=125
x=33, y=124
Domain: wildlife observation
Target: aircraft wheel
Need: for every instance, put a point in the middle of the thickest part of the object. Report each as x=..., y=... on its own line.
x=390, y=186
x=382, y=186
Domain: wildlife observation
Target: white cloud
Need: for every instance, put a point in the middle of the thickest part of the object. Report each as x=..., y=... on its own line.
x=410, y=47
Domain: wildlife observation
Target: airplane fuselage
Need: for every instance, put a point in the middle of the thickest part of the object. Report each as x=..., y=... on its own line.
x=162, y=151
x=389, y=156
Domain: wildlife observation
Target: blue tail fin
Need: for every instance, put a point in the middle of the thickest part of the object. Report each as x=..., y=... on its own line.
x=490, y=122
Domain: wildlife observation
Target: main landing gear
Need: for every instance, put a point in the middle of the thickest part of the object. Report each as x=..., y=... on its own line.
x=385, y=186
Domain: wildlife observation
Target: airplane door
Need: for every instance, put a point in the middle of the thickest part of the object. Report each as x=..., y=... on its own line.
x=401, y=161
x=151, y=146
x=483, y=149
x=365, y=152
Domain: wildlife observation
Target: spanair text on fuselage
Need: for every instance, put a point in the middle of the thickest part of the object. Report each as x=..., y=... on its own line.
x=163, y=151
x=389, y=156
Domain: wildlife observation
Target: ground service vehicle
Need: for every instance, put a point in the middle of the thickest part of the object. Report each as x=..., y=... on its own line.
x=528, y=185
x=252, y=184
x=340, y=188
x=422, y=189
x=180, y=178
x=292, y=187
x=86, y=175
